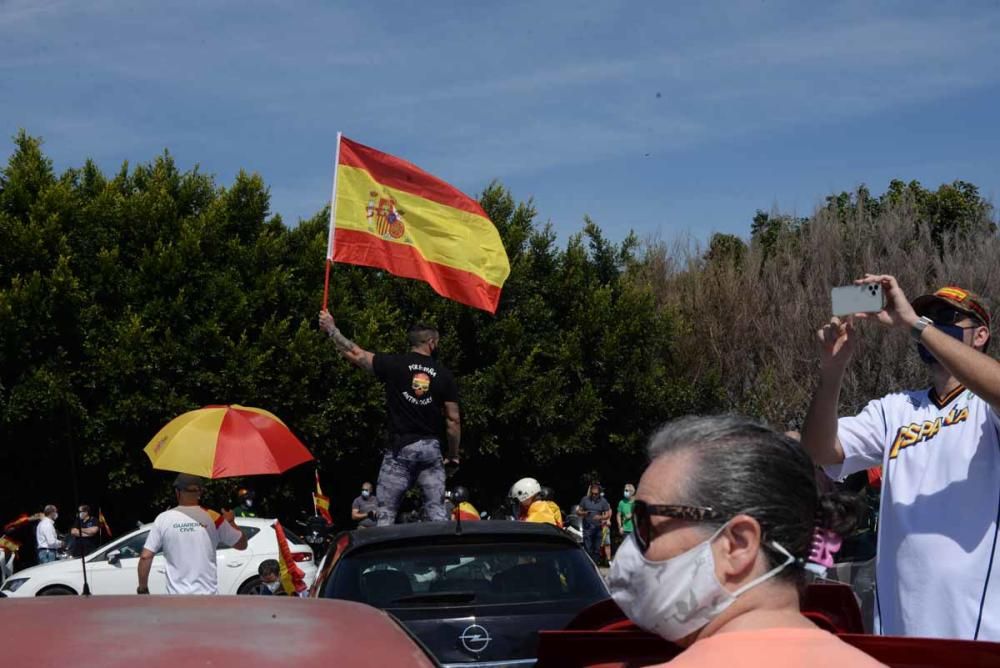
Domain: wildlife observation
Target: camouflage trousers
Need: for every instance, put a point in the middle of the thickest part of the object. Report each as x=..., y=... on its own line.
x=418, y=462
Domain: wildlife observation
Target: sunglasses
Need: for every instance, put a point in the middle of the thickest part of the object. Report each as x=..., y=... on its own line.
x=949, y=316
x=642, y=513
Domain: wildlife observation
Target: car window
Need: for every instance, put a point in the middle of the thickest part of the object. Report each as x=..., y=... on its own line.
x=483, y=573
x=293, y=538
x=130, y=548
x=248, y=532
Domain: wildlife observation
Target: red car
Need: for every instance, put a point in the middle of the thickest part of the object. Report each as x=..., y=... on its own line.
x=602, y=637
x=189, y=631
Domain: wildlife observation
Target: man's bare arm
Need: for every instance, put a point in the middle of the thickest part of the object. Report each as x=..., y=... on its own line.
x=453, y=423
x=349, y=350
x=836, y=342
x=357, y=514
x=145, y=565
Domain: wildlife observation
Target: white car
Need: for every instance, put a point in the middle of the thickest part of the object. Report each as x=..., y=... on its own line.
x=111, y=569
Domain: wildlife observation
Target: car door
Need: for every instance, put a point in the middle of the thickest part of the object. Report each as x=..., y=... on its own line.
x=235, y=566
x=120, y=575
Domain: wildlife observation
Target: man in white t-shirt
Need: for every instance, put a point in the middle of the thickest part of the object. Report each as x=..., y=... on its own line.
x=937, y=574
x=188, y=536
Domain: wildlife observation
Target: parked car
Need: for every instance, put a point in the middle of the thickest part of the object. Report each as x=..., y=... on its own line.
x=475, y=593
x=603, y=637
x=223, y=632
x=111, y=569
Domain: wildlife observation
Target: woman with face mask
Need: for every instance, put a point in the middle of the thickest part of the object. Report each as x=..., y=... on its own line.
x=726, y=518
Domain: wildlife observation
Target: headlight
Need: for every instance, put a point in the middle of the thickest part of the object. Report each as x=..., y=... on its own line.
x=14, y=585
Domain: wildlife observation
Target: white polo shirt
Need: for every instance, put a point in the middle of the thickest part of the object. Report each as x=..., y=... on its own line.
x=937, y=569
x=188, y=537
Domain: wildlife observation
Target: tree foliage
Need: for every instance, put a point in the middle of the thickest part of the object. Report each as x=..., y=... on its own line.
x=128, y=299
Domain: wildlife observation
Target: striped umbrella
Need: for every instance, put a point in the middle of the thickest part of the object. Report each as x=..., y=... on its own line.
x=226, y=442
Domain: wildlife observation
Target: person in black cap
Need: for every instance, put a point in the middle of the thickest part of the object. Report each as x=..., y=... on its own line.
x=188, y=535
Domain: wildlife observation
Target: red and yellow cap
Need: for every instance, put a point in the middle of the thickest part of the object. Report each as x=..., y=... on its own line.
x=959, y=298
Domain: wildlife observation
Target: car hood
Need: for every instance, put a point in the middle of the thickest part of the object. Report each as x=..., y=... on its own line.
x=49, y=569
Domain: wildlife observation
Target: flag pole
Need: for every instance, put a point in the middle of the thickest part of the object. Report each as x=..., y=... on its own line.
x=333, y=218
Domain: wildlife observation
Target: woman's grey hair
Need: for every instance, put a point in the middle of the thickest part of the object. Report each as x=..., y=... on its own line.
x=744, y=467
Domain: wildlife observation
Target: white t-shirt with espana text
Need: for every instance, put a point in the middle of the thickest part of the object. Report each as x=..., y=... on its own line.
x=937, y=569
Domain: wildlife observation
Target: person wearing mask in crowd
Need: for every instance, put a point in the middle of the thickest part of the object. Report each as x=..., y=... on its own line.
x=269, y=573
x=422, y=404
x=463, y=506
x=938, y=560
x=46, y=539
x=364, y=508
x=188, y=535
x=624, y=515
x=727, y=523
x=548, y=495
x=84, y=532
x=245, y=498
x=530, y=508
x=594, y=509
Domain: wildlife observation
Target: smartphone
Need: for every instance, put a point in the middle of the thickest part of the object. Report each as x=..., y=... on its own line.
x=848, y=299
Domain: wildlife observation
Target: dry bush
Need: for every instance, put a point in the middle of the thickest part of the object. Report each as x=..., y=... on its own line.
x=752, y=321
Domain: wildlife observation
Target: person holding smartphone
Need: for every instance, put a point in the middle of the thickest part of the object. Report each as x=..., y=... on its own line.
x=937, y=568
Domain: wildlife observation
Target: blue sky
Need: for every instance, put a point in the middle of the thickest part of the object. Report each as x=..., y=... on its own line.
x=665, y=119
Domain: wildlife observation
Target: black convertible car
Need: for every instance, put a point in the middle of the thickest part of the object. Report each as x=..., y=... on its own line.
x=475, y=594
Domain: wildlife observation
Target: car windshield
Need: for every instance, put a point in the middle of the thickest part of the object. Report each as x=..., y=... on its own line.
x=483, y=573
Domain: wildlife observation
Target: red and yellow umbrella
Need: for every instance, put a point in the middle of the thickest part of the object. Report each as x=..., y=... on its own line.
x=226, y=442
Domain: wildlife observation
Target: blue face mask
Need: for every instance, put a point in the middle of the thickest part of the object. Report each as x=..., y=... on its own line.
x=954, y=331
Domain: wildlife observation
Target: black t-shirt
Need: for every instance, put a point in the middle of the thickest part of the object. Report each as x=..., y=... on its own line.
x=84, y=545
x=416, y=387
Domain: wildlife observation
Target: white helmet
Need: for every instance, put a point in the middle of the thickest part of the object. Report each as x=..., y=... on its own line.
x=524, y=489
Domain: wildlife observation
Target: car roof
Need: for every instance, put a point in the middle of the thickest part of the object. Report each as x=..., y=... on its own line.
x=496, y=529
x=221, y=631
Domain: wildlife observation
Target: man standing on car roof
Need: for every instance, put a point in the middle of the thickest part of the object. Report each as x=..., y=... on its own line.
x=937, y=571
x=422, y=402
x=188, y=535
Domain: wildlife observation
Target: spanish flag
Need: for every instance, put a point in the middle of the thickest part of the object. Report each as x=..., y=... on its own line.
x=390, y=214
x=466, y=512
x=321, y=502
x=293, y=580
x=9, y=544
x=16, y=524
x=103, y=523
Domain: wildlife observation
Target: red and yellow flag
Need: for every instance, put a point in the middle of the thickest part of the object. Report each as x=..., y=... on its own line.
x=322, y=502
x=16, y=524
x=103, y=523
x=293, y=580
x=390, y=214
x=466, y=512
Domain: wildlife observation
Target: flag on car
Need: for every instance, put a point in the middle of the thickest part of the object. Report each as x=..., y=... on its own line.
x=103, y=523
x=321, y=503
x=390, y=214
x=293, y=580
x=9, y=544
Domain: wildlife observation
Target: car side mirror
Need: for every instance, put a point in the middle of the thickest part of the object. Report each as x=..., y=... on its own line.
x=115, y=557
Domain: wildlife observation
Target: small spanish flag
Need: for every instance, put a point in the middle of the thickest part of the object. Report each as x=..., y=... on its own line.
x=9, y=544
x=103, y=523
x=321, y=502
x=390, y=214
x=293, y=580
x=465, y=511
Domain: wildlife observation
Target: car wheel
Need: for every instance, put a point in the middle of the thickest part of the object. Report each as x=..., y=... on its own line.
x=56, y=590
x=251, y=587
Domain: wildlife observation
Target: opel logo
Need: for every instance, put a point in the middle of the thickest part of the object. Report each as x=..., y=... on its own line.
x=475, y=638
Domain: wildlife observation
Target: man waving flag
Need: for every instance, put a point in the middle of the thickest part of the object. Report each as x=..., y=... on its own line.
x=388, y=213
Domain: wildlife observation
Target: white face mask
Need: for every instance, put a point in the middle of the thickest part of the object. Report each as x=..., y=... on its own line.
x=627, y=493
x=676, y=597
x=248, y=503
x=365, y=493
x=55, y=516
x=273, y=586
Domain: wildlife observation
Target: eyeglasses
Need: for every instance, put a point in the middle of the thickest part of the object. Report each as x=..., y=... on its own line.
x=949, y=316
x=642, y=512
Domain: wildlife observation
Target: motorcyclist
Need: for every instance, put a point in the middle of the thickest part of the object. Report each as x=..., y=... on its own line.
x=244, y=508
x=526, y=492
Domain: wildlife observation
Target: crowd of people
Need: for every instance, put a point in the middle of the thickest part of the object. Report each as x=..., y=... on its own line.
x=730, y=518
